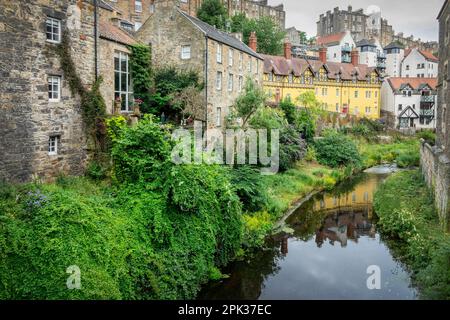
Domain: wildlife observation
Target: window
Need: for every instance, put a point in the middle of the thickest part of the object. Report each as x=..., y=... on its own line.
x=53, y=145
x=185, y=52
x=219, y=117
x=230, y=82
x=219, y=80
x=376, y=94
x=241, y=60
x=324, y=91
x=138, y=6
x=400, y=107
x=409, y=93
x=54, y=88
x=368, y=110
x=219, y=53
x=337, y=92
x=337, y=107
x=230, y=57
x=241, y=83
x=122, y=81
x=368, y=94
x=53, y=30
x=356, y=94
x=407, y=67
x=291, y=78
x=250, y=65
x=152, y=8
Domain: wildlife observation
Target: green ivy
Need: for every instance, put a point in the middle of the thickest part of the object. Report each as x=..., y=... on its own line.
x=141, y=72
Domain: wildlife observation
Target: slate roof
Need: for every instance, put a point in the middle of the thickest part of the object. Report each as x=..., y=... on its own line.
x=415, y=83
x=279, y=65
x=364, y=43
x=219, y=35
x=393, y=45
x=111, y=32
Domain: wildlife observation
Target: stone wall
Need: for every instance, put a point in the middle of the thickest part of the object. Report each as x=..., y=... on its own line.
x=435, y=168
x=28, y=118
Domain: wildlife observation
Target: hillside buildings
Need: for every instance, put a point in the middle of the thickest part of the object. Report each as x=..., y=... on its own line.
x=368, y=25
x=409, y=102
x=339, y=46
x=395, y=52
x=420, y=64
x=344, y=88
x=222, y=61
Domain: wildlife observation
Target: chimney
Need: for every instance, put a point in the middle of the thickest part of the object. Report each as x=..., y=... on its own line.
x=253, y=41
x=355, y=57
x=323, y=54
x=287, y=49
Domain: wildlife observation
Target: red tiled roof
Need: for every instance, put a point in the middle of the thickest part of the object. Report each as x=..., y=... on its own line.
x=415, y=83
x=111, y=32
x=281, y=66
x=330, y=39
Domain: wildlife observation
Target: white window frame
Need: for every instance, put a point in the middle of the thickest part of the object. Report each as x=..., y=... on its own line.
x=219, y=81
x=241, y=61
x=128, y=93
x=53, y=142
x=185, y=54
x=230, y=82
x=219, y=49
x=230, y=57
x=55, y=37
x=138, y=6
x=52, y=81
x=241, y=83
x=219, y=117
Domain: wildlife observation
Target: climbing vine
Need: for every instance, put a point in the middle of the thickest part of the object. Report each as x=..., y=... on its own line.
x=141, y=72
x=92, y=103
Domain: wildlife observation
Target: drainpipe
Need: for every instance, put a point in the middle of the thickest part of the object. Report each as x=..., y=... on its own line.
x=206, y=82
x=96, y=38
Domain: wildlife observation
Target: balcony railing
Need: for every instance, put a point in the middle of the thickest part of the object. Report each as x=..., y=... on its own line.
x=430, y=99
x=381, y=56
x=346, y=48
x=381, y=65
x=426, y=112
x=346, y=59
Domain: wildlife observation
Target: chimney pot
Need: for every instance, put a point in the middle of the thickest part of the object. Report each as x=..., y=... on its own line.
x=355, y=57
x=323, y=55
x=287, y=49
x=253, y=41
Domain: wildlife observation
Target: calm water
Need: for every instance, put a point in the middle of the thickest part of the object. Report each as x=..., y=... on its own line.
x=335, y=240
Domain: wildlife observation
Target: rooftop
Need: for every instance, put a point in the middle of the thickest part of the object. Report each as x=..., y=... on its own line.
x=331, y=39
x=111, y=32
x=415, y=83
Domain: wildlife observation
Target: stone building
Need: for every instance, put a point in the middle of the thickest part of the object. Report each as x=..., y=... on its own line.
x=435, y=161
x=42, y=130
x=368, y=25
x=222, y=61
x=132, y=12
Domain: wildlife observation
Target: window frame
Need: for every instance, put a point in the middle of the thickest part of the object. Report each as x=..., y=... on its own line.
x=59, y=34
x=55, y=140
x=51, y=92
x=126, y=107
x=183, y=57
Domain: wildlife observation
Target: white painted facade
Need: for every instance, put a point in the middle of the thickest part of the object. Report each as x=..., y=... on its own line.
x=335, y=52
x=416, y=65
x=394, y=58
x=406, y=107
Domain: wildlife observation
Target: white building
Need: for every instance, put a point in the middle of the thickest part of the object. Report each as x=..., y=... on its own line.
x=419, y=64
x=371, y=53
x=409, y=102
x=339, y=46
x=395, y=53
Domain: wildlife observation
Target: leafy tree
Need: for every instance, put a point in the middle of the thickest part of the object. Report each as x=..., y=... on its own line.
x=303, y=37
x=214, y=13
x=250, y=101
x=289, y=109
x=270, y=36
x=140, y=65
x=292, y=147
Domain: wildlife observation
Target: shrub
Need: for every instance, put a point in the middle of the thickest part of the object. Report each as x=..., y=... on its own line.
x=305, y=123
x=427, y=135
x=337, y=150
x=400, y=224
x=408, y=159
x=268, y=118
x=292, y=148
x=249, y=186
x=289, y=109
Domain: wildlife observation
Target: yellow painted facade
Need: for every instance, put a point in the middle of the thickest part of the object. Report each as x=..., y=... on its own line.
x=356, y=97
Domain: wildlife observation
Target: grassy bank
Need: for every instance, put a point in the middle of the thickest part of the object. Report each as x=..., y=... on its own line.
x=405, y=208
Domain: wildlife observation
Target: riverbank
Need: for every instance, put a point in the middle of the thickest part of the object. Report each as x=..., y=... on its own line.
x=407, y=215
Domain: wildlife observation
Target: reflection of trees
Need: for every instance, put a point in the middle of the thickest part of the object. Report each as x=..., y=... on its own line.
x=246, y=277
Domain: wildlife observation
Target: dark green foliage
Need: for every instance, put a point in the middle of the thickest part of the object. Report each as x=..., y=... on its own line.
x=141, y=73
x=168, y=82
x=408, y=159
x=336, y=150
x=270, y=36
x=406, y=212
x=214, y=13
x=427, y=135
x=305, y=123
x=250, y=101
x=142, y=152
x=249, y=186
x=292, y=148
x=289, y=109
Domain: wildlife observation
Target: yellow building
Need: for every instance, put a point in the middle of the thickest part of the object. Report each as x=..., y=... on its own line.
x=346, y=88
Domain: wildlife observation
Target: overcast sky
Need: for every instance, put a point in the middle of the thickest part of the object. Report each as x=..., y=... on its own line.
x=417, y=17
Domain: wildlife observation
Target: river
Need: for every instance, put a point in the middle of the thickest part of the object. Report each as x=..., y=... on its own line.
x=326, y=255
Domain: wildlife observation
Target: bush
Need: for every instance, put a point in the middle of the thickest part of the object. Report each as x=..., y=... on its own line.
x=408, y=159
x=289, y=109
x=427, y=135
x=249, y=186
x=337, y=150
x=268, y=118
x=292, y=148
x=305, y=123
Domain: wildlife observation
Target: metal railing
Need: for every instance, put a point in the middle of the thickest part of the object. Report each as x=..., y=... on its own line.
x=427, y=99
x=346, y=48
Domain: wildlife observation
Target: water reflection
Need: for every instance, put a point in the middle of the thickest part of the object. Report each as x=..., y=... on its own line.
x=334, y=241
